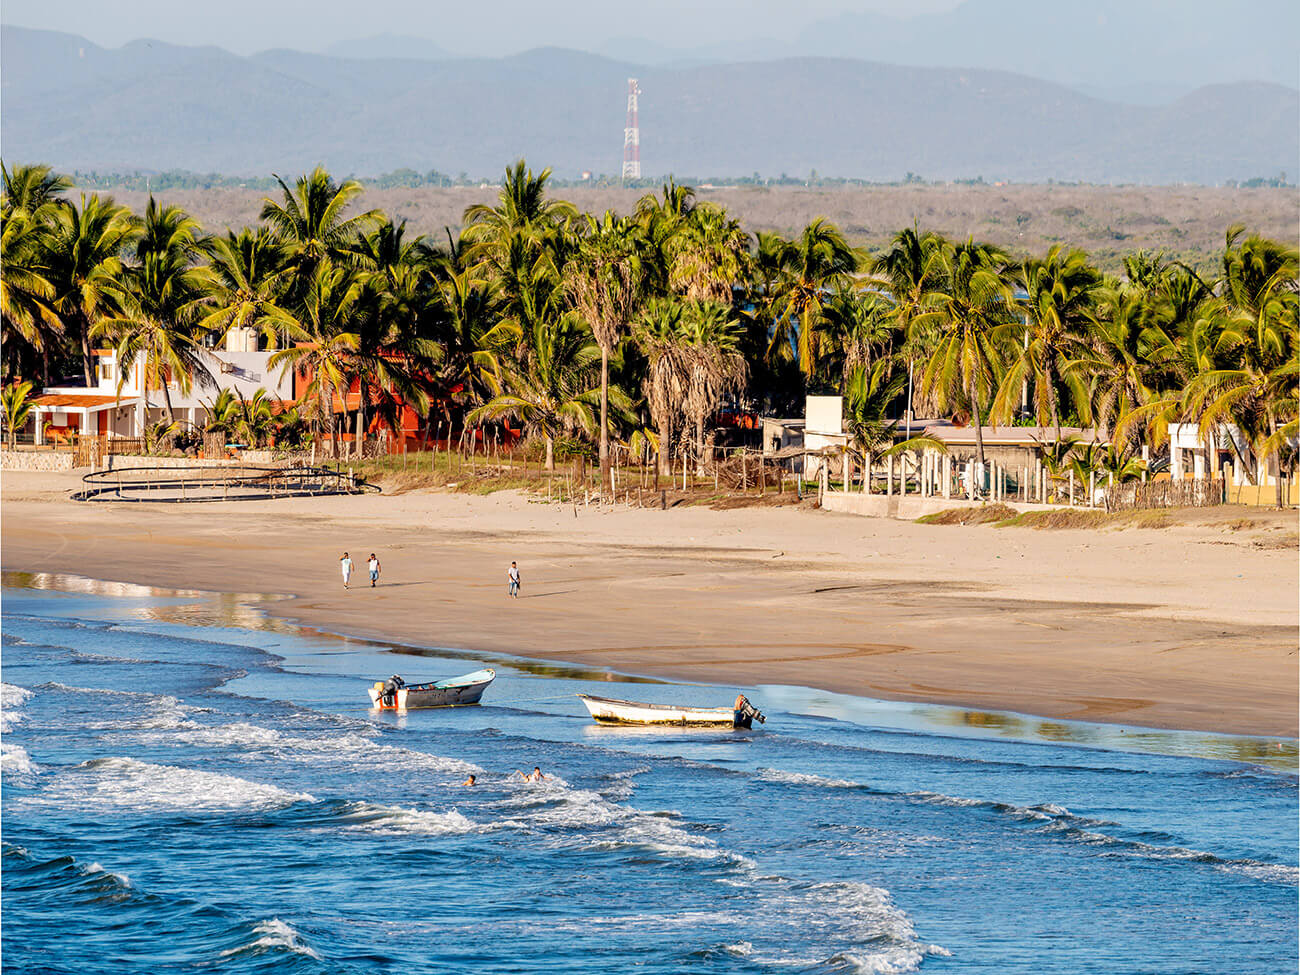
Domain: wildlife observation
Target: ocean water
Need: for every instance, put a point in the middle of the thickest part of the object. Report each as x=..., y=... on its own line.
x=189, y=785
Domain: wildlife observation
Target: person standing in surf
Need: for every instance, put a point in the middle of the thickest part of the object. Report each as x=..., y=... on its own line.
x=513, y=575
x=345, y=564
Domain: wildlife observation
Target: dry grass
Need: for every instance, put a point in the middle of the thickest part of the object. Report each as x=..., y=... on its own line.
x=1186, y=222
x=989, y=514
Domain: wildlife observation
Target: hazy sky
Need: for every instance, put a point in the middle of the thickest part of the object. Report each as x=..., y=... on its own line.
x=493, y=27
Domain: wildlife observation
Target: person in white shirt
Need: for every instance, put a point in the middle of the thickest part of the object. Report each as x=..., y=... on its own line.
x=373, y=566
x=345, y=564
x=513, y=574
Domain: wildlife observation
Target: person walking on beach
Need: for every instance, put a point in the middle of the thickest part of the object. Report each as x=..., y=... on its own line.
x=345, y=564
x=373, y=565
x=513, y=575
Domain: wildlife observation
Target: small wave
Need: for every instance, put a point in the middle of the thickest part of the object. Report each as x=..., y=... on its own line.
x=12, y=697
x=356, y=750
x=399, y=820
x=126, y=782
x=802, y=778
x=15, y=761
x=273, y=935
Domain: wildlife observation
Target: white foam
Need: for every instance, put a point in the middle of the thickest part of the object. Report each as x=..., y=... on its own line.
x=274, y=934
x=122, y=880
x=356, y=751
x=401, y=820
x=12, y=697
x=801, y=778
x=126, y=782
x=15, y=761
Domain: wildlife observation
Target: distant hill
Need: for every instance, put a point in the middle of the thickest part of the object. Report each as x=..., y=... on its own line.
x=155, y=106
x=1128, y=49
x=389, y=46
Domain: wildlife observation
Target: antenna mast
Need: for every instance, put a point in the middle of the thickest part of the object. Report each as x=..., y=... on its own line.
x=631, y=136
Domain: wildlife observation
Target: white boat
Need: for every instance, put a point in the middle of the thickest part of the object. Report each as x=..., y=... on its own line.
x=608, y=710
x=395, y=694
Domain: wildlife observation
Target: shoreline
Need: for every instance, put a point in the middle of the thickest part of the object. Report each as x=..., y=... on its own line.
x=643, y=592
x=1277, y=753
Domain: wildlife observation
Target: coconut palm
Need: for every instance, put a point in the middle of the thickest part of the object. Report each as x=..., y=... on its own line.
x=324, y=328
x=311, y=221
x=16, y=405
x=31, y=189
x=603, y=284
x=658, y=333
x=554, y=391
x=160, y=298
x=249, y=277
x=973, y=302
x=1254, y=383
x=522, y=209
x=1061, y=291
x=85, y=268
x=708, y=254
x=911, y=271
x=716, y=369
x=813, y=265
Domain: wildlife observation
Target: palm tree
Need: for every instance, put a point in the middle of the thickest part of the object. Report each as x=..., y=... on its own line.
x=709, y=252
x=85, y=266
x=16, y=404
x=462, y=314
x=310, y=220
x=715, y=366
x=324, y=329
x=1254, y=384
x=1058, y=309
x=975, y=301
x=604, y=285
x=553, y=390
x=1118, y=364
x=911, y=271
x=814, y=264
x=522, y=209
x=249, y=276
x=159, y=300
x=659, y=335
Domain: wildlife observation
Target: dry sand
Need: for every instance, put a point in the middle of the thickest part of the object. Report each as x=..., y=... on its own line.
x=1191, y=627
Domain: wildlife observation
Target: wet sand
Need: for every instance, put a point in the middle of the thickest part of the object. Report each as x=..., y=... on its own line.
x=1191, y=627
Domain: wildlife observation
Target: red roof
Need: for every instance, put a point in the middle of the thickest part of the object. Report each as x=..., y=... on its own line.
x=79, y=400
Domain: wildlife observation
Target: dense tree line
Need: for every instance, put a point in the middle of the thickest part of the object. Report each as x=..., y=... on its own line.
x=636, y=328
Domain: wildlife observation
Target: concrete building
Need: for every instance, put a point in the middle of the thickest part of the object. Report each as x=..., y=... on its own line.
x=105, y=410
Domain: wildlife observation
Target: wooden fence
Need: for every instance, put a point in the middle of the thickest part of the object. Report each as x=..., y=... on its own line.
x=1165, y=494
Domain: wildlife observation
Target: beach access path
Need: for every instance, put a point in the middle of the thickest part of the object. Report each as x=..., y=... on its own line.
x=1187, y=627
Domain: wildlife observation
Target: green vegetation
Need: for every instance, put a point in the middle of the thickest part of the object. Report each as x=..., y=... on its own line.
x=625, y=333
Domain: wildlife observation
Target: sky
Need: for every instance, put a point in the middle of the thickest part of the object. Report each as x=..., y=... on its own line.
x=493, y=28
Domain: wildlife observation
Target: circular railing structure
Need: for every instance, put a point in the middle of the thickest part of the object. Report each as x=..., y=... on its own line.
x=188, y=485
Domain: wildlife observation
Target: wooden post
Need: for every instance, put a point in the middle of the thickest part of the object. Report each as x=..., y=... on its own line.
x=889, y=476
x=947, y=476
x=902, y=475
x=744, y=471
x=845, y=466
x=970, y=480
x=866, y=472
x=1071, y=487
x=1092, y=489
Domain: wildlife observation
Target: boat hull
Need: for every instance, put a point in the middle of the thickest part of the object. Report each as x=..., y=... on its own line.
x=455, y=692
x=610, y=711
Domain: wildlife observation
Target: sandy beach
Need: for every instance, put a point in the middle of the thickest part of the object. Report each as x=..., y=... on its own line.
x=1189, y=627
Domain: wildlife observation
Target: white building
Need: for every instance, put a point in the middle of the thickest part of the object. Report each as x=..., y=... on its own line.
x=104, y=410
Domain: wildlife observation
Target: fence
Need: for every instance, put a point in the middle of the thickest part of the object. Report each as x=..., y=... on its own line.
x=1165, y=494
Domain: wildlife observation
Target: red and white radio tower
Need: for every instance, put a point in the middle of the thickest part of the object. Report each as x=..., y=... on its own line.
x=631, y=136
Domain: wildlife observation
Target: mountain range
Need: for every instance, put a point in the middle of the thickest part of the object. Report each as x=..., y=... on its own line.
x=156, y=106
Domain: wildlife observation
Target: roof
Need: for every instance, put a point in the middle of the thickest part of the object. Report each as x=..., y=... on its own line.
x=78, y=400
x=949, y=432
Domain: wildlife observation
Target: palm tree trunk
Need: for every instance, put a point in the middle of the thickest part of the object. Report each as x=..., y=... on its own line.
x=665, y=441
x=979, y=423
x=550, y=452
x=87, y=360
x=699, y=445
x=604, y=419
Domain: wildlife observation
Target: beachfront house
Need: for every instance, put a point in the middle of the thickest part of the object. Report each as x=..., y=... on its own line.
x=105, y=410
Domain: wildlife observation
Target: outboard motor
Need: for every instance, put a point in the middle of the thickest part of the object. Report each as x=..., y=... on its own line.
x=391, y=687
x=746, y=713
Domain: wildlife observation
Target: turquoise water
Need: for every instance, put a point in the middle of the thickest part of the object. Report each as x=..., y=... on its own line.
x=189, y=785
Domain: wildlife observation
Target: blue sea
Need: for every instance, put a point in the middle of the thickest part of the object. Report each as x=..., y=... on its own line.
x=191, y=785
